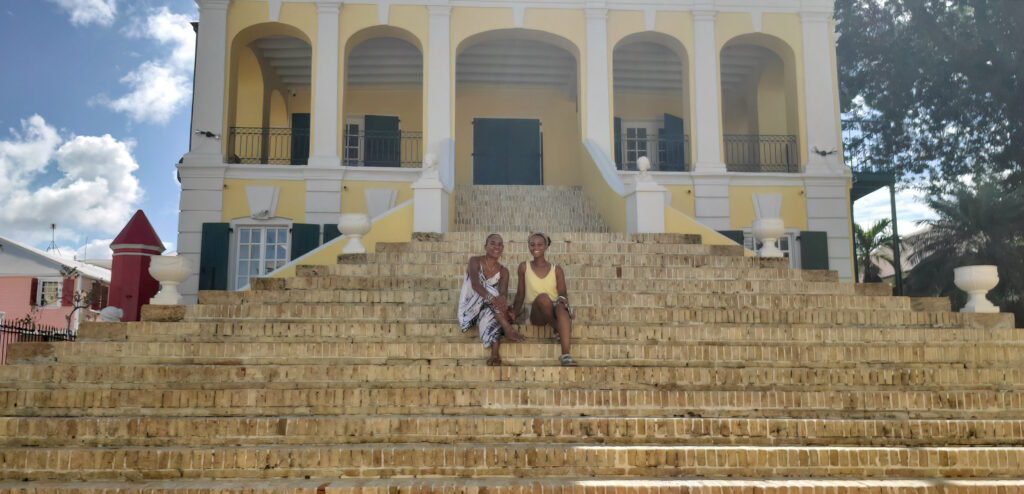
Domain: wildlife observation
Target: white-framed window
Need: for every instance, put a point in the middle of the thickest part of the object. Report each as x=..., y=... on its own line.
x=639, y=139
x=352, y=151
x=258, y=249
x=787, y=243
x=48, y=292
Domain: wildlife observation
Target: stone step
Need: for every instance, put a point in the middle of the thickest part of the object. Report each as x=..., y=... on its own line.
x=477, y=238
x=449, y=297
x=552, y=208
x=600, y=272
x=664, y=354
x=503, y=400
x=398, y=312
x=982, y=328
x=508, y=485
x=475, y=374
x=572, y=263
x=520, y=460
x=517, y=245
x=129, y=431
x=574, y=285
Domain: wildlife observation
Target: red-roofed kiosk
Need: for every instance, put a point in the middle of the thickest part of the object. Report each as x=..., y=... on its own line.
x=131, y=285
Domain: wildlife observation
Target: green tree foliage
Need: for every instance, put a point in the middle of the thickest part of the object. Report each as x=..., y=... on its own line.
x=975, y=225
x=939, y=82
x=869, y=242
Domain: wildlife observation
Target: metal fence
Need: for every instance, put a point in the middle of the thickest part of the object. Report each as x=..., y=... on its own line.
x=383, y=148
x=761, y=153
x=268, y=145
x=18, y=331
x=667, y=153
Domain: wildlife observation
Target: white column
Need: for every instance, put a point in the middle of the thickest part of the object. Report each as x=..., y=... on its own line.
x=821, y=113
x=708, y=127
x=208, y=100
x=325, y=101
x=439, y=93
x=598, y=109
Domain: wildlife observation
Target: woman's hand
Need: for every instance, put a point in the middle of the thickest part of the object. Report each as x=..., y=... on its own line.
x=499, y=303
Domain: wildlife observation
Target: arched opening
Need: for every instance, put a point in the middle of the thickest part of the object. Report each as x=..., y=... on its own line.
x=270, y=100
x=759, y=105
x=383, y=100
x=517, y=109
x=651, y=98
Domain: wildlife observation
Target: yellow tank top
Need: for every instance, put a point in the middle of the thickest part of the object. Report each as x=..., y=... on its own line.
x=536, y=285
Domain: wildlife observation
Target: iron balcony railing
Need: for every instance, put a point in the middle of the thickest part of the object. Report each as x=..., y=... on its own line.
x=761, y=153
x=667, y=153
x=18, y=331
x=268, y=145
x=394, y=148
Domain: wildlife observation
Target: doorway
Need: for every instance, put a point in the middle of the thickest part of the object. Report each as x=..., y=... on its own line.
x=507, y=151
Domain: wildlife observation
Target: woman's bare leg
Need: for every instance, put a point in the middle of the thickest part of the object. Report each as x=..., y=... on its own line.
x=545, y=313
x=495, y=353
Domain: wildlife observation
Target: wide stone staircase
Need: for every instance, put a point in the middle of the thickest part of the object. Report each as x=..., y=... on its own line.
x=525, y=208
x=701, y=370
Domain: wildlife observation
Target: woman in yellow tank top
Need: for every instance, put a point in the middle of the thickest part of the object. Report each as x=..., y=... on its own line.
x=542, y=290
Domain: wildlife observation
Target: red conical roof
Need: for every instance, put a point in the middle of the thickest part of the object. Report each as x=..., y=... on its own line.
x=138, y=232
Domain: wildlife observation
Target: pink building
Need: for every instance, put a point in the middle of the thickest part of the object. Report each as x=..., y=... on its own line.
x=43, y=285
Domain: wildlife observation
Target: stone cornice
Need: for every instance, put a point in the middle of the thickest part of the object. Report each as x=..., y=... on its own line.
x=438, y=7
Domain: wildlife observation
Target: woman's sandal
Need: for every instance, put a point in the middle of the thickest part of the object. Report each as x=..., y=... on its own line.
x=494, y=361
x=567, y=361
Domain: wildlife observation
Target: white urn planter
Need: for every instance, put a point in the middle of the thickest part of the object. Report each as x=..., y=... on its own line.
x=767, y=231
x=169, y=271
x=354, y=226
x=977, y=281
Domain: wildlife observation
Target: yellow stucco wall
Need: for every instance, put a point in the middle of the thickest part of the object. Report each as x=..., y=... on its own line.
x=291, y=198
x=677, y=222
x=554, y=108
x=395, y=227
x=682, y=198
x=611, y=205
x=741, y=205
x=353, y=193
x=402, y=101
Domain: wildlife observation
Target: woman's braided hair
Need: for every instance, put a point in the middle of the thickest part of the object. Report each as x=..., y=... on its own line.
x=541, y=235
x=488, y=239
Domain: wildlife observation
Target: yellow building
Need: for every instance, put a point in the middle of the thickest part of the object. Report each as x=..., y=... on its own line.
x=306, y=110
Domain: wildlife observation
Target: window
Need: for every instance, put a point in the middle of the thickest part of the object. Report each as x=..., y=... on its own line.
x=636, y=139
x=48, y=293
x=787, y=244
x=260, y=250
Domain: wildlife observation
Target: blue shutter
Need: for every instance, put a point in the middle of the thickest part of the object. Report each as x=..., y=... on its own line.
x=305, y=237
x=213, y=256
x=813, y=250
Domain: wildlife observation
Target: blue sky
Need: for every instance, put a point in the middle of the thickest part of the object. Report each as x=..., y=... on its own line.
x=94, y=113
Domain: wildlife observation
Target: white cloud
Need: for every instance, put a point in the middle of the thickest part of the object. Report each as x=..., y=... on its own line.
x=94, y=188
x=910, y=207
x=85, y=12
x=160, y=87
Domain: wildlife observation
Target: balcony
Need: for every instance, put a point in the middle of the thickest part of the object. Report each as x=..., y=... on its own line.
x=287, y=146
x=668, y=153
x=268, y=145
x=389, y=148
x=761, y=153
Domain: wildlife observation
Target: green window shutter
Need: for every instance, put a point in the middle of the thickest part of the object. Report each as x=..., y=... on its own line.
x=305, y=237
x=331, y=232
x=672, y=139
x=383, y=141
x=213, y=256
x=734, y=235
x=813, y=250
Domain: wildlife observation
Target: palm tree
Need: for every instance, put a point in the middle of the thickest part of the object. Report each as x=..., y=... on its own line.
x=979, y=225
x=868, y=248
